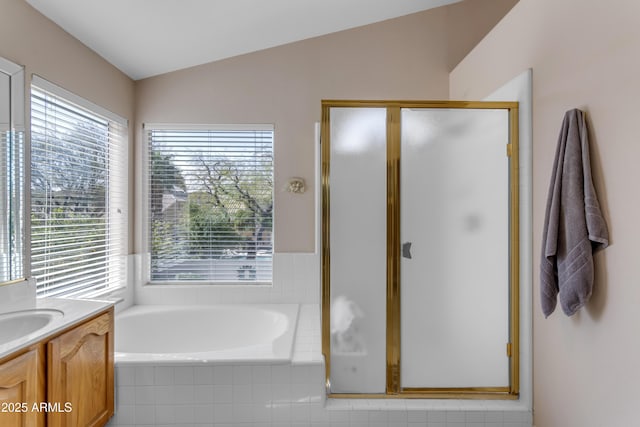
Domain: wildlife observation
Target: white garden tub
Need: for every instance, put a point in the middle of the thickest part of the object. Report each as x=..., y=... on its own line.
x=203, y=334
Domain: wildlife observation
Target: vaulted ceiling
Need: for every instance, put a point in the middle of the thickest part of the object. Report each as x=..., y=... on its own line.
x=144, y=38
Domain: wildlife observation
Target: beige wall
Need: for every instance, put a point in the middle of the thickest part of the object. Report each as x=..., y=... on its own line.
x=403, y=58
x=584, y=53
x=29, y=39
x=468, y=22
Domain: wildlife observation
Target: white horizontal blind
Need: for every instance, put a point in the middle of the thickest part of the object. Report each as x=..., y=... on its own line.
x=11, y=203
x=11, y=174
x=78, y=197
x=5, y=211
x=211, y=203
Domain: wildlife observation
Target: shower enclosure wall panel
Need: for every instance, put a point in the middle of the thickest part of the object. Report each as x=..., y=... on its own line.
x=454, y=211
x=358, y=250
x=420, y=248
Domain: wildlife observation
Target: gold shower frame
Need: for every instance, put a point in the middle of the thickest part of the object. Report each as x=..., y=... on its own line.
x=393, y=386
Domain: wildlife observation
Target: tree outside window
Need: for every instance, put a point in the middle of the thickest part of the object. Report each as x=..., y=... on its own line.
x=211, y=205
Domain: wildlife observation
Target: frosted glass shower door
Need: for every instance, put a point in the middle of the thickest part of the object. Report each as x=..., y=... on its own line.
x=454, y=207
x=357, y=183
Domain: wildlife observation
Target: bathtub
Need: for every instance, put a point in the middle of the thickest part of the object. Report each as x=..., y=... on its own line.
x=195, y=334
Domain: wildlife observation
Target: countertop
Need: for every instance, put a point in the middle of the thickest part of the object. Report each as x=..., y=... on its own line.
x=74, y=311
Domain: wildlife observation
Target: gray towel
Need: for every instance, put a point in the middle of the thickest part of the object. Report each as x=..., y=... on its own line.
x=573, y=227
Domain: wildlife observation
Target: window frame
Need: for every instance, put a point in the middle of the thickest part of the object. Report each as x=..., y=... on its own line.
x=143, y=216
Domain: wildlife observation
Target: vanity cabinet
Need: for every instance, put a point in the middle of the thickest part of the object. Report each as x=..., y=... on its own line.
x=22, y=386
x=80, y=374
x=66, y=380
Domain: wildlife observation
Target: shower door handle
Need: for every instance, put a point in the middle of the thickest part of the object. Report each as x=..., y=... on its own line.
x=406, y=250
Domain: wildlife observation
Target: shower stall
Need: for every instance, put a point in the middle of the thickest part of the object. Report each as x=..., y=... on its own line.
x=420, y=252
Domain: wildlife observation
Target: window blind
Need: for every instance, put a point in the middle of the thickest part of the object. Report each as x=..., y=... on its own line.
x=11, y=171
x=11, y=202
x=210, y=203
x=78, y=195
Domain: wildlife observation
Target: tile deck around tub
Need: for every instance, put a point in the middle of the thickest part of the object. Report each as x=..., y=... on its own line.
x=282, y=395
x=307, y=347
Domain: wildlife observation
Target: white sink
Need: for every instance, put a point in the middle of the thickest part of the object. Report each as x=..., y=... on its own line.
x=18, y=324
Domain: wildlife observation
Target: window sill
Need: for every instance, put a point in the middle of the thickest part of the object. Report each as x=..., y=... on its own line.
x=225, y=285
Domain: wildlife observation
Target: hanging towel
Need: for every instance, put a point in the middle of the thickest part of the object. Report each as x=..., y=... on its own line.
x=573, y=227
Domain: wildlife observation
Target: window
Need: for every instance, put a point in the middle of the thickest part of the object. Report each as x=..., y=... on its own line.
x=210, y=203
x=11, y=171
x=78, y=194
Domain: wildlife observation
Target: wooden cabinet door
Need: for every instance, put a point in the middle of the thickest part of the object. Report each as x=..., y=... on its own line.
x=80, y=375
x=20, y=390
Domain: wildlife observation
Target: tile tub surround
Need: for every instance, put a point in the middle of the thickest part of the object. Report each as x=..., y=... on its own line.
x=296, y=279
x=282, y=395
